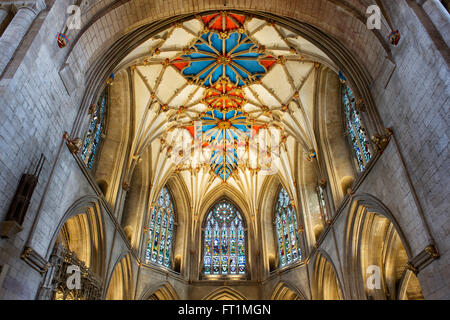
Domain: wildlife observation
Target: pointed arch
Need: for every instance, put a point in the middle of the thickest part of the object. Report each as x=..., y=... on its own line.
x=161, y=230
x=120, y=285
x=224, y=293
x=286, y=291
x=326, y=282
x=329, y=127
x=287, y=229
x=373, y=240
x=116, y=142
x=82, y=231
x=181, y=202
x=79, y=240
x=224, y=192
x=161, y=291
x=269, y=193
x=224, y=240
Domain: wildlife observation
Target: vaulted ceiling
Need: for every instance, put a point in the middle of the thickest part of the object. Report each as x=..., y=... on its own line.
x=230, y=80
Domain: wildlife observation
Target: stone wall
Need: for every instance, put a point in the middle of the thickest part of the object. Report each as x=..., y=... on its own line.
x=415, y=104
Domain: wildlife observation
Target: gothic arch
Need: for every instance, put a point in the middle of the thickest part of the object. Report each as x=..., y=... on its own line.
x=224, y=293
x=81, y=230
x=120, y=285
x=409, y=287
x=374, y=238
x=216, y=195
x=161, y=291
x=220, y=193
x=335, y=156
x=135, y=202
x=286, y=291
x=299, y=219
x=246, y=224
x=326, y=282
x=181, y=234
x=172, y=215
x=116, y=144
x=268, y=247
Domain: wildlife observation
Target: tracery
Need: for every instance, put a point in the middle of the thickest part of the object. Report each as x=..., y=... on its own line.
x=354, y=128
x=288, y=237
x=161, y=229
x=224, y=241
x=96, y=130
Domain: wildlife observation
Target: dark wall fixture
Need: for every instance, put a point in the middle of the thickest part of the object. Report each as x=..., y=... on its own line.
x=21, y=200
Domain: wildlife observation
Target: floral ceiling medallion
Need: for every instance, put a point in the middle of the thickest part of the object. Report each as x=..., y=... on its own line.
x=214, y=57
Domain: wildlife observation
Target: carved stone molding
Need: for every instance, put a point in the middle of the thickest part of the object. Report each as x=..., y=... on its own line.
x=382, y=140
x=35, y=6
x=35, y=260
x=125, y=186
x=74, y=145
x=56, y=279
x=423, y=259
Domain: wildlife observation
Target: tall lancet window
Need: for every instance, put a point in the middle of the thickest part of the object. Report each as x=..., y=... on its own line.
x=161, y=229
x=224, y=241
x=96, y=129
x=287, y=230
x=354, y=129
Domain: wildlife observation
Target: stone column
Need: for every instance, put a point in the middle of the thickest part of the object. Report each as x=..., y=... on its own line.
x=14, y=33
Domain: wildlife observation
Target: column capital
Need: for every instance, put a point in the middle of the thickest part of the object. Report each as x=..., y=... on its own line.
x=35, y=6
x=16, y=7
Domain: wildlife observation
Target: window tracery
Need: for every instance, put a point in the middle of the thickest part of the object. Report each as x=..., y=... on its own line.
x=287, y=230
x=96, y=130
x=224, y=241
x=357, y=134
x=161, y=230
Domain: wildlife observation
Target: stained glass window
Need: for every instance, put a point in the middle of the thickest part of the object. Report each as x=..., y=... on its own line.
x=161, y=229
x=355, y=131
x=287, y=230
x=95, y=131
x=224, y=241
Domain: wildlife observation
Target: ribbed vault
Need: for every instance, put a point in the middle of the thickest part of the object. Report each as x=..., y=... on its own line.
x=248, y=82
